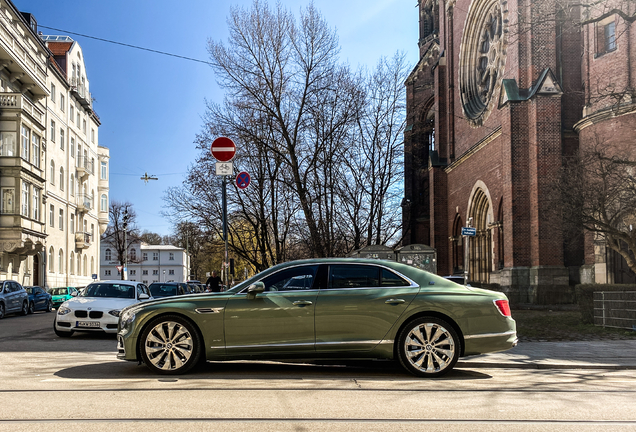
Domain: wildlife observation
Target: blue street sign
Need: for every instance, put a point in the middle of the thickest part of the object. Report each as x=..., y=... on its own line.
x=242, y=180
x=469, y=231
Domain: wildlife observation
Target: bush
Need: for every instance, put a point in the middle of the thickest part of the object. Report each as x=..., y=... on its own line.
x=585, y=297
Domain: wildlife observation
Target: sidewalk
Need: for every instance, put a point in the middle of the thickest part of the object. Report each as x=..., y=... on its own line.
x=614, y=354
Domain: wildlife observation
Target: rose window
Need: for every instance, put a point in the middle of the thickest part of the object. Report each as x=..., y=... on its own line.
x=482, y=59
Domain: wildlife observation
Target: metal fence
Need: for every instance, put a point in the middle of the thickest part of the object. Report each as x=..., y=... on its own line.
x=615, y=309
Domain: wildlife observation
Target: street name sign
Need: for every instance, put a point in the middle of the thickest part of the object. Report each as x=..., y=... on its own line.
x=469, y=231
x=223, y=149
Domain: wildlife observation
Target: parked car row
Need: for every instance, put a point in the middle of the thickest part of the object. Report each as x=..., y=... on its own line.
x=14, y=298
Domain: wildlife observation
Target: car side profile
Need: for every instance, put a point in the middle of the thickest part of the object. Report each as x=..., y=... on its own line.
x=60, y=295
x=39, y=299
x=13, y=298
x=322, y=309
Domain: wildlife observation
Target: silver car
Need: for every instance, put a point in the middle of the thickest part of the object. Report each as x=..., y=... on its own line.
x=13, y=298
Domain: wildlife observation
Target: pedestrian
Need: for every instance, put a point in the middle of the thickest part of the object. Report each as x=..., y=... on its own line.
x=213, y=284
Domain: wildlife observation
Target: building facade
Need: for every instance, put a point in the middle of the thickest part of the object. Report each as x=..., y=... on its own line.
x=147, y=263
x=53, y=173
x=501, y=93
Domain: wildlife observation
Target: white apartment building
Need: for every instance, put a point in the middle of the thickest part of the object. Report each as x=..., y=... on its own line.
x=76, y=170
x=23, y=93
x=53, y=173
x=147, y=263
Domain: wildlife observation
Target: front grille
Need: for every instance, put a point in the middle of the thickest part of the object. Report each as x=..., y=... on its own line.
x=95, y=314
x=81, y=314
x=91, y=314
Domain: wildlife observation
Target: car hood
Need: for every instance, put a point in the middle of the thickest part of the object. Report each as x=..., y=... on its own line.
x=99, y=303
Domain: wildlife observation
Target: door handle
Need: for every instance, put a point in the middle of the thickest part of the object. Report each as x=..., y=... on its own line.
x=395, y=301
x=302, y=303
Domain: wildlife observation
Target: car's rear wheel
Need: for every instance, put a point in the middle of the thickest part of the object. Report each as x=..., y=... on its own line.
x=31, y=307
x=170, y=345
x=61, y=333
x=25, y=308
x=1, y=310
x=428, y=347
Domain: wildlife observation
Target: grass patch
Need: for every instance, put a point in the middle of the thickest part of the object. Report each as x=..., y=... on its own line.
x=562, y=325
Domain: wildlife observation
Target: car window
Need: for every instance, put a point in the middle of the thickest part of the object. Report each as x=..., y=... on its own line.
x=163, y=290
x=390, y=279
x=15, y=287
x=110, y=290
x=353, y=276
x=292, y=279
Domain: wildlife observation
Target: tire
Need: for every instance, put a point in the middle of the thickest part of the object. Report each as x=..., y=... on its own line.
x=49, y=306
x=31, y=308
x=170, y=345
x=25, y=308
x=1, y=310
x=60, y=333
x=428, y=347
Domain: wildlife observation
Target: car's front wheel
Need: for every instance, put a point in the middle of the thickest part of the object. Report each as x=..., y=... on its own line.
x=25, y=308
x=31, y=307
x=1, y=310
x=170, y=345
x=428, y=347
x=49, y=306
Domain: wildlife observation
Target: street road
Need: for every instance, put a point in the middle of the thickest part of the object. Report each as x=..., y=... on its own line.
x=78, y=384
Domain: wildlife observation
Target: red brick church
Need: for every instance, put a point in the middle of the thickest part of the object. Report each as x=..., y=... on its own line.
x=502, y=91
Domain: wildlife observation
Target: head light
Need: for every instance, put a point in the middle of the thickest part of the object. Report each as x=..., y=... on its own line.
x=127, y=318
x=114, y=312
x=63, y=310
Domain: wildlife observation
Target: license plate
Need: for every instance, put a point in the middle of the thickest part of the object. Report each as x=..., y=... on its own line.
x=90, y=324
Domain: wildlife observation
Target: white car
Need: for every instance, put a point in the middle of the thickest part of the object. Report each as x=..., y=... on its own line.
x=98, y=307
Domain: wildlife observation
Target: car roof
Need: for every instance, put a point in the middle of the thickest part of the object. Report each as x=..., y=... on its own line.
x=116, y=281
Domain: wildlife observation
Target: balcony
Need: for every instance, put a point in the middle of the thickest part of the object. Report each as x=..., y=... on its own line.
x=85, y=167
x=84, y=203
x=82, y=240
x=81, y=93
x=19, y=102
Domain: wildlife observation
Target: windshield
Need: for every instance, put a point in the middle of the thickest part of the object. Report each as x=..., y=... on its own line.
x=161, y=290
x=110, y=290
x=58, y=291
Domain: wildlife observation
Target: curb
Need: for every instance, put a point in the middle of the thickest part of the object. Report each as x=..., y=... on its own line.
x=488, y=365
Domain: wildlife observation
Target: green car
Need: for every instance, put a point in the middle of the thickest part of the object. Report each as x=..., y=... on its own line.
x=322, y=309
x=60, y=295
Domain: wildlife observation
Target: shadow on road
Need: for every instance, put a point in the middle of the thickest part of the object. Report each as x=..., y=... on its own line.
x=259, y=370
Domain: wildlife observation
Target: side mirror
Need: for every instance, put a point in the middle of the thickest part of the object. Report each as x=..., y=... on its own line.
x=144, y=296
x=255, y=288
x=74, y=294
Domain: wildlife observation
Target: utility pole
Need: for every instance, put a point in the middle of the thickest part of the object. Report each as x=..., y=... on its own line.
x=125, y=224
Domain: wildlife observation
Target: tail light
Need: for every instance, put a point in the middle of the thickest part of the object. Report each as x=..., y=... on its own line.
x=503, y=307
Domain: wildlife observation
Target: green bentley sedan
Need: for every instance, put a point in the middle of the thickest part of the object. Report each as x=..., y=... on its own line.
x=322, y=309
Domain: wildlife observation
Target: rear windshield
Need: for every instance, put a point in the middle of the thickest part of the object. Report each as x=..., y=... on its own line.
x=160, y=290
x=110, y=290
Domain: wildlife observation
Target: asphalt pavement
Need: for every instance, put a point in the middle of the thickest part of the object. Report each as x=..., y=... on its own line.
x=604, y=354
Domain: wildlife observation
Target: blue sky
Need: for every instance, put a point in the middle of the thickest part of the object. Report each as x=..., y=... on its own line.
x=151, y=105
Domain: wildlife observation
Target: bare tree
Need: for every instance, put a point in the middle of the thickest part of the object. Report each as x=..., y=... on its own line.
x=151, y=238
x=122, y=230
x=598, y=189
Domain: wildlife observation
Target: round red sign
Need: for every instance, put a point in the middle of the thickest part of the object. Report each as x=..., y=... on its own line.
x=223, y=149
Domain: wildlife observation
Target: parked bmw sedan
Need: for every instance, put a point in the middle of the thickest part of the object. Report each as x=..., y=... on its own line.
x=322, y=309
x=98, y=307
x=39, y=299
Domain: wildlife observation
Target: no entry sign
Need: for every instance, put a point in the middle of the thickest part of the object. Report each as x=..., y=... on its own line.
x=243, y=180
x=223, y=149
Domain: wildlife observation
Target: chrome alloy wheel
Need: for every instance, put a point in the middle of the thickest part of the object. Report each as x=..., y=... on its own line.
x=169, y=346
x=428, y=347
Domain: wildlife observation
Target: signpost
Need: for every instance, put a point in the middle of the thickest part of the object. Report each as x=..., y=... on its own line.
x=468, y=232
x=243, y=180
x=223, y=149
